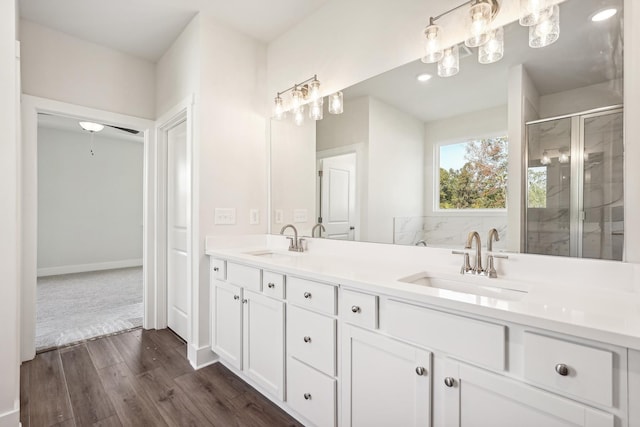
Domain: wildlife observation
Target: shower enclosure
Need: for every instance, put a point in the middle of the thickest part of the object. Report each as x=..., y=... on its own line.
x=574, y=185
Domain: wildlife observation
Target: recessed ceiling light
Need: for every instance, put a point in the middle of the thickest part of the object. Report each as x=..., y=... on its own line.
x=423, y=77
x=603, y=15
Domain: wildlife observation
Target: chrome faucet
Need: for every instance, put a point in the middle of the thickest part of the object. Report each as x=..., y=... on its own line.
x=295, y=244
x=313, y=230
x=491, y=270
x=421, y=243
x=474, y=236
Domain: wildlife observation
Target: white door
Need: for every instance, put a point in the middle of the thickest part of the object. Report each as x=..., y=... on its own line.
x=338, y=196
x=386, y=382
x=178, y=191
x=226, y=331
x=263, y=332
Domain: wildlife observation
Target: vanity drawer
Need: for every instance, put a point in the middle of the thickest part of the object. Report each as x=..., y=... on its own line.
x=359, y=308
x=218, y=269
x=475, y=341
x=241, y=275
x=588, y=374
x=273, y=284
x=310, y=294
x=311, y=394
x=311, y=337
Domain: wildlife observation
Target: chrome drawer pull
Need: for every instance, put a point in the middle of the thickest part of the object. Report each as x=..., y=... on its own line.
x=244, y=301
x=449, y=382
x=307, y=295
x=562, y=369
x=307, y=396
x=307, y=339
x=236, y=297
x=271, y=285
x=420, y=370
x=355, y=309
x=215, y=269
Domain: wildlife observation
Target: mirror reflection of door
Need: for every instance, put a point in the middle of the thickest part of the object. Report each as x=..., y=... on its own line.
x=337, y=198
x=178, y=189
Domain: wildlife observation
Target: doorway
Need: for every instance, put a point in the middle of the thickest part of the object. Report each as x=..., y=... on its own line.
x=337, y=195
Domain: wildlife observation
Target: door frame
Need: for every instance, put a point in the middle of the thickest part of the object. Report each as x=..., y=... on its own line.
x=183, y=111
x=31, y=106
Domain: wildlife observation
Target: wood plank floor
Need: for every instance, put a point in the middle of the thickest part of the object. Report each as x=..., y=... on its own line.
x=138, y=378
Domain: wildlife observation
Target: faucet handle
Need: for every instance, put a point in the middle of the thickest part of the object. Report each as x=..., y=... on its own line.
x=301, y=244
x=466, y=264
x=290, y=239
x=500, y=256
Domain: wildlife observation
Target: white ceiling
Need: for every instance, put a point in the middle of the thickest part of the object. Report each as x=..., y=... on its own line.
x=146, y=28
x=583, y=55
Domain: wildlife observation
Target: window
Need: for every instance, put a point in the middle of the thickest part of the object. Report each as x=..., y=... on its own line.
x=537, y=187
x=473, y=174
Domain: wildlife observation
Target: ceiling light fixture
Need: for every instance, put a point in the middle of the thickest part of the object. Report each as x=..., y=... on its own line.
x=533, y=11
x=303, y=94
x=91, y=126
x=603, y=15
x=424, y=77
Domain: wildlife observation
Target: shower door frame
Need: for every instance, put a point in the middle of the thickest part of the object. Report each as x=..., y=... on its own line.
x=576, y=203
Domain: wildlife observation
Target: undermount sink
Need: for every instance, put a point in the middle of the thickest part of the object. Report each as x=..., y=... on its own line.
x=272, y=254
x=473, y=287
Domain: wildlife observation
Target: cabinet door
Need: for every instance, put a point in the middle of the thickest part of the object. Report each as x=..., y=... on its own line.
x=385, y=382
x=467, y=396
x=227, y=322
x=264, y=341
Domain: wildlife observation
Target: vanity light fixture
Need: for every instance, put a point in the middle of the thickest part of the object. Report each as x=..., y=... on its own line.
x=336, y=103
x=493, y=50
x=91, y=126
x=433, y=52
x=563, y=157
x=305, y=95
x=478, y=22
x=604, y=14
x=545, y=160
x=449, y=65
x=533, y=11
x=547, y=30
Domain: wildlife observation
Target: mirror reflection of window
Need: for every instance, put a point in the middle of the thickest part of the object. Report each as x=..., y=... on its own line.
x=537, y=187
x=473, y=174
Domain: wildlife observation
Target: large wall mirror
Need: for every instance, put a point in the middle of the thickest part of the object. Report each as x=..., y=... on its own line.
x=530, y=145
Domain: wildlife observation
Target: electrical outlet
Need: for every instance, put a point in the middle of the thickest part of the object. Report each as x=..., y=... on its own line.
x=254, y=216
x=225, y=216
x=278, y=216
x=300, y=215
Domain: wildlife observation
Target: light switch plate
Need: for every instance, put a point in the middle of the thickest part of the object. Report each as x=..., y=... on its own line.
x=279, y=216
x=300, y=215
x=254, y=216
x=225, y=216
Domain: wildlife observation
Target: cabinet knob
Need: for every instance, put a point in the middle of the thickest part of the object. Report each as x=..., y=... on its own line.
x=236, y=297
x=307, y=339
x=307, y=396
x=215, y=269
x=355, y=309
x=562, y=369
x=244, y=301
x=420, y=370
x=449, y=382
x=271, y=285
x=307, y=295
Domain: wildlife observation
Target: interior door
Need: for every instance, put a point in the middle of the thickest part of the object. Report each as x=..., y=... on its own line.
x=178, y=189
x=338, y=198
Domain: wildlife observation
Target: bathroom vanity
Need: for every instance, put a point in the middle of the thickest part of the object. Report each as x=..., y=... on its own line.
x=360, y=334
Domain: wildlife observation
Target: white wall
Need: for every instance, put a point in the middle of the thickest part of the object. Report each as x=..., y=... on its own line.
x=64, y=68
x=396, y=169
x=581, y=99
x=9, y=219
x=89, y=207
x=451, y=228
x=350, y=127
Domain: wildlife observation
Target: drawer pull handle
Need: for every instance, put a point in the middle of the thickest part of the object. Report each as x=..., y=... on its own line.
x=355, y=309
x=562, y=369
x=215, y=269
x=307, y=396
x=271, y=285
x=307, y=339
x=244, y=301
x=307, y=295
x=449, y=382
x=420, y=370
x=236, y=297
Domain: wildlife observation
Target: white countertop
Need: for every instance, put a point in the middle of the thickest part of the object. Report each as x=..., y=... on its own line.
x=601, y=313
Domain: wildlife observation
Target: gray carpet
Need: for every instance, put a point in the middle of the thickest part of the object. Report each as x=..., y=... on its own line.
x=75, y=307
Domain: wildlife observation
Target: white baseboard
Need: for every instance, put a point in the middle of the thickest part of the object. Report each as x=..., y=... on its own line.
x=81, y=268
x=10, y=419
x=201, y=357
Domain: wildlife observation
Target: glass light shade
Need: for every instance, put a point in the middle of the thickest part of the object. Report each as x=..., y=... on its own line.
x=478, y=24
x=433, y=53
x=314, y=90
x=547, y=30
x=545, y=159
x=533, y=11
x=91, y=126
x=298, y=115
x=563, y=157
x=297, y=99
x=449, y=65
x=315, y=109
x=493, y=49
x=336, y=104
x=279, y=112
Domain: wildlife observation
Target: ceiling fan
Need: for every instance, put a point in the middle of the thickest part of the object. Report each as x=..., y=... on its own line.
x=97, y=127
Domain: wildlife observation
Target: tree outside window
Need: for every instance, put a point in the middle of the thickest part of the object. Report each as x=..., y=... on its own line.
x=473, y=174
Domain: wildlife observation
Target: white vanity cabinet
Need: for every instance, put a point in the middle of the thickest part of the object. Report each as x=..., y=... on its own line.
x=385, y=382
x=248, y=327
